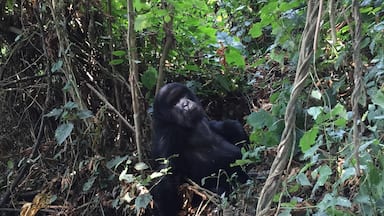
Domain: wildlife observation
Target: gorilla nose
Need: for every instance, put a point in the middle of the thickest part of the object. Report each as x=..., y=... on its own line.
x=185, y=104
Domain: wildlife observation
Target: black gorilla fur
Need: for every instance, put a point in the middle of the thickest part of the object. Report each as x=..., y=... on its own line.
x=203, y=147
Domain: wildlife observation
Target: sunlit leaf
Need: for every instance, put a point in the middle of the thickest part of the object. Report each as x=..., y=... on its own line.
x=315, y=111
x=124, y=176
x=316, y=94
x=156, y=175
x=308, y=139
x=119, y=53
x=141, y=166
x=256, y=30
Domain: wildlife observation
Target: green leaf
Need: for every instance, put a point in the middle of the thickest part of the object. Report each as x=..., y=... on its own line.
x=378, y=98
x=10, y=164
x=116, y=161
x=88, y=185
x=142, y=22
x=316, y=94
x=308, y=139
x=119, y=53
x=127, y=177
x=260, y=119
x=167, y=18
x=84, y=114
x=56, y=112
x=315, y=111
x=210, y=32
x=339, y=111
x=142, y=201
x=149, y=78
x=62, y=132
x=322, y=173
x=344, y=202
x=116, y=61
x=256, y=30
x=233, y=56
x=302, y=179
x=139, y=5
x=70, y=105
x=141, y=166
x=347, y=173
x=57, y=66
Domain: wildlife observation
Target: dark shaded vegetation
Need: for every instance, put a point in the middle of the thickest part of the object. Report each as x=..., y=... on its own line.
x=67, y=131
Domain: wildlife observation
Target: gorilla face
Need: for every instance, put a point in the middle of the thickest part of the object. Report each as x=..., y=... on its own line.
x=176, y=104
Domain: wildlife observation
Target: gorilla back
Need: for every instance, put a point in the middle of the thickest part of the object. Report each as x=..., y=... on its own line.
x=202, y=147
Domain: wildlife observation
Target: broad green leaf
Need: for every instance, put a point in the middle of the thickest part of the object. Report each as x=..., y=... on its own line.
x=71, y=105
x=142, y=22
x=62, y=132
x=116, y=161
x=149, y=78
x=210, y=32
x=256, y=30
x=260, y=119
x=347, y=173
x=316, y=94
x=119, y=53
x=378, y=98
x=339, y=111
x=315, y=111
x=308, y=139
x=83, y=114
x=302, y=179
x=116, y=61
x=140, y=5
x=344, y=202
x=322, y=174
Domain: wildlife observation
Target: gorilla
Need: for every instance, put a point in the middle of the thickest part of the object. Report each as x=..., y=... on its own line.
x=195, y=146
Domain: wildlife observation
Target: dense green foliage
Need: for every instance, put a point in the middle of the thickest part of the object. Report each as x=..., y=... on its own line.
x=240, y=57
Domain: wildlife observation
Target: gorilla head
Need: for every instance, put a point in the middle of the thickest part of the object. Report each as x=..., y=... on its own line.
x=176, y=104
x=203, y=147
